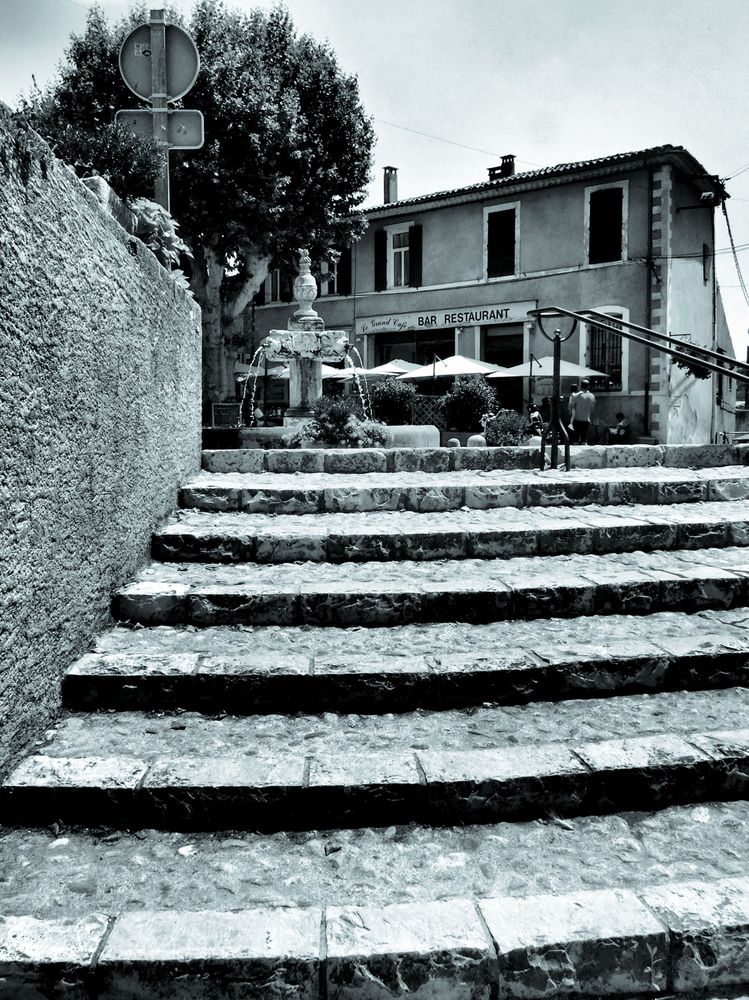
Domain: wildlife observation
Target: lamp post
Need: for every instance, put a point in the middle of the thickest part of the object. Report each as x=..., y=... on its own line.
x=556, y=424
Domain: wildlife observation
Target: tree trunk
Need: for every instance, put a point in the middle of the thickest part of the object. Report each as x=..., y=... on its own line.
x=208, y=273
x=219, y=319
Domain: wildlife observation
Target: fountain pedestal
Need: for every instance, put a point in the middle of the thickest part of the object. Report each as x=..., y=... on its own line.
x=304, y=346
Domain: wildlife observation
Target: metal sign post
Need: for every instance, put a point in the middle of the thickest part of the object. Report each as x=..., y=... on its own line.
x=159, y=99
x=159, y=62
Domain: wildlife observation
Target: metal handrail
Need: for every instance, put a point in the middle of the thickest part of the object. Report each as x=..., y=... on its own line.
x=695, y=355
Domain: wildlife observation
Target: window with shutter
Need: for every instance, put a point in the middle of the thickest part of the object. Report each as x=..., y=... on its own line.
x=501, y=241
x=604, y=354
x=605, y=225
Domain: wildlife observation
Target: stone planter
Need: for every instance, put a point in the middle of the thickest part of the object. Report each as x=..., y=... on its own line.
x=415, y=436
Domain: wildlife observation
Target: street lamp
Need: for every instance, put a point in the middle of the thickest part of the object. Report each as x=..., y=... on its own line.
x=556, y=424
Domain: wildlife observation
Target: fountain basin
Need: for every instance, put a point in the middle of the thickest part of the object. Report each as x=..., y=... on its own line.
x=404, y=436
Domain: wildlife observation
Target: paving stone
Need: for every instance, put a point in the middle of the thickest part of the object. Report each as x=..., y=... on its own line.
x=42, y=789
x=198, y=793
x=431, y=950
x=41, y=958
x=708, y=925
x=280, y=460
x=355, y=460
x=274, y=501
x=584, y=943
x=647, y=771
x=484, y=784
x=146, y=601
x=354, y=788
x=253, y=954
x=233, y=460
x=419, y=460
x=495, y=458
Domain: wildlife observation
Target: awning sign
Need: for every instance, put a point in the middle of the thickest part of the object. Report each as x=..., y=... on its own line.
x=435, y=319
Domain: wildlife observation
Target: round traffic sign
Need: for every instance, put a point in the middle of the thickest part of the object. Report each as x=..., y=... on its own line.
x=182, y=61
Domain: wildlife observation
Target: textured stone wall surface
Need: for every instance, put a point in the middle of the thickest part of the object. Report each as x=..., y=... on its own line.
x=99, y=419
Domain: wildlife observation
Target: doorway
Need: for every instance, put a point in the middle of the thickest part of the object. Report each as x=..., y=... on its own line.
x=503, y=345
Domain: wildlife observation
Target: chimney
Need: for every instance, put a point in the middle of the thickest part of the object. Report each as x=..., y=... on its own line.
x=391, y=184
x=505, y=169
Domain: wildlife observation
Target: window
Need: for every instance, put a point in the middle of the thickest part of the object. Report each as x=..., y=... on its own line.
x=501, y=241
x=329, y=278
x=397, y=257
x=274, y=283
x=606, y=224
x=605, y=354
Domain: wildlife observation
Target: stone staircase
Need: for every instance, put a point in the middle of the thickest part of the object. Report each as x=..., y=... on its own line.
x=386, y=723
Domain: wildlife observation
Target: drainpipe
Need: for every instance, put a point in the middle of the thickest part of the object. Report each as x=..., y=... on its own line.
x=650, y=263
x=714, y=330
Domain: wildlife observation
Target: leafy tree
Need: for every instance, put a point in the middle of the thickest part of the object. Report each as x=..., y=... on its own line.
x=75, y=114
x=285, y=162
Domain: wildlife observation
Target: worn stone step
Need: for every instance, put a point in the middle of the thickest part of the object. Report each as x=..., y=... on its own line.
x=69, y=872
x=198, y=536
x=478, y=590
x=209, y=792
x=363, y=460
x=605, y=943
x=543, y=670
x=189, y=771
x=310, y=493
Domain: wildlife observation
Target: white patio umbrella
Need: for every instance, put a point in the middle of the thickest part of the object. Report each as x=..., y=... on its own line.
x=450, y=368
x=388, y=370
x=327, y=372
x=544, y=368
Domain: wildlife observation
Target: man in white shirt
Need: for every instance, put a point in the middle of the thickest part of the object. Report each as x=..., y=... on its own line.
x=583, y=404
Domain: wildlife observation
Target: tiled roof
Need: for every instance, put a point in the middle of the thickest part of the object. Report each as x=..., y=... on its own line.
x=559, y=170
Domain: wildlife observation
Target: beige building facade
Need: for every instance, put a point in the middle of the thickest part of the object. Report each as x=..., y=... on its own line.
x=457, y=271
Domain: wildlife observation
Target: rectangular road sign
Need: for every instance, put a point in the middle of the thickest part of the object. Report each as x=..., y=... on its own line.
x=184, y=128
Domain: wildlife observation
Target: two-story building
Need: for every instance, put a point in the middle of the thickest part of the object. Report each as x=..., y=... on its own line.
x=456, y=271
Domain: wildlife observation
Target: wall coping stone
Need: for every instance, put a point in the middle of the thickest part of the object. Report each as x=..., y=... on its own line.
x=363, y=460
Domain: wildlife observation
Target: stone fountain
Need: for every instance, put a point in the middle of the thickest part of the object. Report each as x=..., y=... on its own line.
x=304, y=346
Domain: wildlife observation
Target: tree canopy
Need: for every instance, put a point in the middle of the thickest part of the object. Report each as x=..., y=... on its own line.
x=286, y=157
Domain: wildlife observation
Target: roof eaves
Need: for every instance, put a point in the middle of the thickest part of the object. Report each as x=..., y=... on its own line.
x=561, y=173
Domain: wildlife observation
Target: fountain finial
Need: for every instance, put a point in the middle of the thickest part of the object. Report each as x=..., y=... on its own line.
x=305, y=286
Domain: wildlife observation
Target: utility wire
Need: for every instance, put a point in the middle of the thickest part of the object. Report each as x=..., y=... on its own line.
x=451, y=142
x=737, y=173
x=740, y=276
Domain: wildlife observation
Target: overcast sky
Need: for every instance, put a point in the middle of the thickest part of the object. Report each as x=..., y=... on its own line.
x=549, y=80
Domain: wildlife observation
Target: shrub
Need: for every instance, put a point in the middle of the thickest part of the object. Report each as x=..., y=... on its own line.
x=158, y=230
x=371, y=434
x=505, y=428
x=340, y=420
x=391, y=400
x=467, y=402
x=332, y=413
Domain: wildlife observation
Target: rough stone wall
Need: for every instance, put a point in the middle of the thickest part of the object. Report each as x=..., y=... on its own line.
x=99, y=419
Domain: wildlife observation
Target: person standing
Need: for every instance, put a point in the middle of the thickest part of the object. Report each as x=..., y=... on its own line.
x=583, y=403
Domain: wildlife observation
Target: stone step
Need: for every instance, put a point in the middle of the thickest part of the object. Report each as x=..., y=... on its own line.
x=199, y=536
x=69, y=873
x=606, y=943
x=189, y=772
x=357, y=461
x=440, y=590
x=247, y=680
x=213, y=792
x=311, y=493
